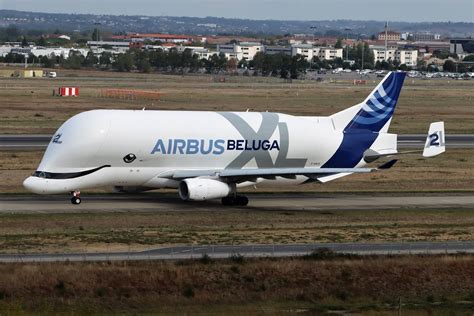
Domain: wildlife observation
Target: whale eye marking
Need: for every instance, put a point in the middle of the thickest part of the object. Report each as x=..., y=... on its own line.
x=129, y=158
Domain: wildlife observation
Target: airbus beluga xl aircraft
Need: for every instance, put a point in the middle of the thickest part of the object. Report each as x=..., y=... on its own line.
x=209, y=155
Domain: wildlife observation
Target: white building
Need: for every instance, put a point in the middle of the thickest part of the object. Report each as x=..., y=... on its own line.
x=407, y=57
x=275, y=50
x=116, y=46
x=48, y=51
x=64, y=52
x=243, y=50
x=403, y=56
x=5, y=50
x=329, y=53
x=205, y=54
x=324, y=53
x=380, y=54
x=305, y=50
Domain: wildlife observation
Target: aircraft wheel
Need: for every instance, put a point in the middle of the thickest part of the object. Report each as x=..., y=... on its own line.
x=241, y=200
x=75, y=200
x=228, y=200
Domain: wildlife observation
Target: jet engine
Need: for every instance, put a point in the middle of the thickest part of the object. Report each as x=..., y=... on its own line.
x=199, y=189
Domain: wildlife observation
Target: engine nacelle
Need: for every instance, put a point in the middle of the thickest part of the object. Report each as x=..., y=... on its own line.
x=203, y=189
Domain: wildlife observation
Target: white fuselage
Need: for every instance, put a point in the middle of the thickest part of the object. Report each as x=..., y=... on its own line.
x=163, y=141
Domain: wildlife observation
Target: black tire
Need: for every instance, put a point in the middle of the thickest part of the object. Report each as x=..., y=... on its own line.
x=241, y=200
x=228, y=200
x=75, y=200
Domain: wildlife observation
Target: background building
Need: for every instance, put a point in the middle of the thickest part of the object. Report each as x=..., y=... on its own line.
x=407, y=57
x=426, y=36
x=243, y=50
x=391, y=36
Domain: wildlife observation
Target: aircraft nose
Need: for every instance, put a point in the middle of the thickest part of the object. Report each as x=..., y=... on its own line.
x=34, y=184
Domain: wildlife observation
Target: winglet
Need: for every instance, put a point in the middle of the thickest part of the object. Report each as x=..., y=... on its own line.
x=435, y=144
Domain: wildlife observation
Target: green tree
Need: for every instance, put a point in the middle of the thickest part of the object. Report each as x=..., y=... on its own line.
x=105, y=59
x=189, y=60
x=173, y=59
x=243, y=63
x=24, y=42
x=368, y=55
x=421, y=65
x=469, y=58
x=142, y=61
x=48, y=62
x=404, y=67
x=91, y=60
x=42, y=41
x=74, y=61
x=158, y=59
x=338, y=62
x=124, y=62
x=215, y=63
x=449, y=66
x=258, y=61
x=338, y=43
x=432, y=68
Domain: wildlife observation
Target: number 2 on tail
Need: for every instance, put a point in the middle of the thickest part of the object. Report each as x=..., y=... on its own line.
x=434, y=138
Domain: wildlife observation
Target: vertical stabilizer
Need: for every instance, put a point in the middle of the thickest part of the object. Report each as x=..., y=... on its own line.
x=375, y=113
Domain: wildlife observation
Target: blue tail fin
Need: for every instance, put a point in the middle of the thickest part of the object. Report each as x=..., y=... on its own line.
x=376, y=110
x=364, y=122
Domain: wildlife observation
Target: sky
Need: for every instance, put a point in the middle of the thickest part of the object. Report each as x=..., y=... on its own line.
x=382, y=10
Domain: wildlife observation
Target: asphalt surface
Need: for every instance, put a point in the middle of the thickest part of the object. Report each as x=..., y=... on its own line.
x=452, y=141
x=226, y=251
x=17, y=204
x=20, y=204
x=412, y=141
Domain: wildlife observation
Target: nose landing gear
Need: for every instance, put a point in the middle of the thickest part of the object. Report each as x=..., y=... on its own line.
x=76, y=197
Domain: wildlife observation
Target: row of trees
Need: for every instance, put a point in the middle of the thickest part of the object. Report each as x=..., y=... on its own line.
x=173, y=61
x=144, y=61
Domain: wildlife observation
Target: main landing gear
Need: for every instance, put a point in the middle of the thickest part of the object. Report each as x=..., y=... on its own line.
x=76, y=197
x=239, y=200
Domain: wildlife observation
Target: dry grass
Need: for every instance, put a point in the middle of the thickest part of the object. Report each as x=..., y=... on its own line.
x=315, y=285
x=130, y=231
x=28, y=105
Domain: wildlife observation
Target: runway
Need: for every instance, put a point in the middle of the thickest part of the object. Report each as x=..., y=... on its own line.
x=411, y=141
x=152, y=202
x=156, y=203
x=452, y=141
x=226, y=251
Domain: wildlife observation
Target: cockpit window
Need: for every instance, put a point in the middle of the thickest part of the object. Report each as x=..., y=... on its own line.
x=66, y=175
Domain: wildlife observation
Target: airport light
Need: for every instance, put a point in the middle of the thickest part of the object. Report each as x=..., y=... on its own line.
x=97, y=36
x=347, y=46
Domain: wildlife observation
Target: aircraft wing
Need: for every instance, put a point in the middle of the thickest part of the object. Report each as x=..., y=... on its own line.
x=239, y=175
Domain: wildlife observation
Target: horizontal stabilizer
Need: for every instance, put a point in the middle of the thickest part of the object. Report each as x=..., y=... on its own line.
x=388, y=164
